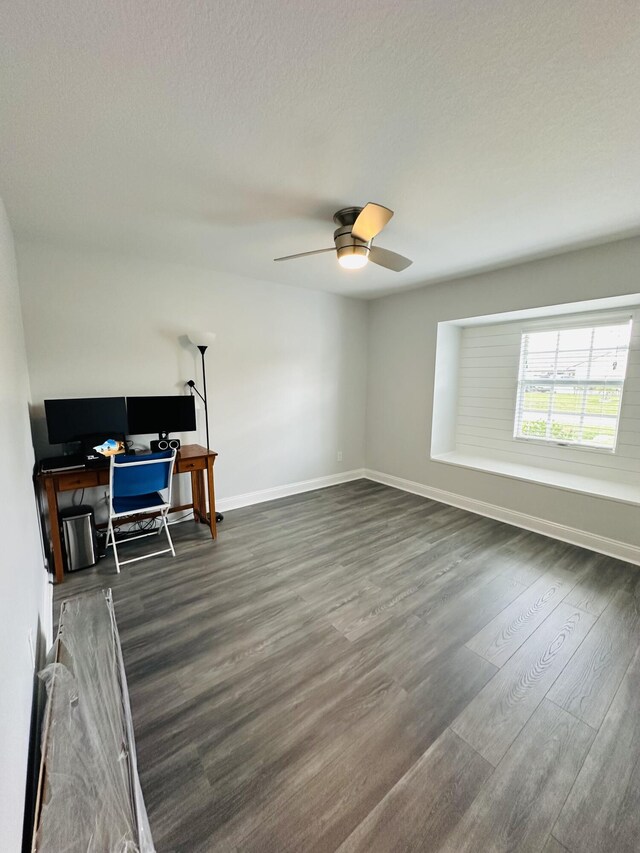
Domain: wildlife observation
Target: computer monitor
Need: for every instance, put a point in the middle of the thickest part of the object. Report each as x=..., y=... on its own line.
x=78, y=419
x=161, y=415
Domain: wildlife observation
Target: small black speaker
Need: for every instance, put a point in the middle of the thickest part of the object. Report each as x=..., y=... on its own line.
x=165, y=444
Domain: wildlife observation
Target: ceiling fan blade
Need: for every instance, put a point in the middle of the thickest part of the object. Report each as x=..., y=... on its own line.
x=305, y=254
x=371, y=220
x=390, y=260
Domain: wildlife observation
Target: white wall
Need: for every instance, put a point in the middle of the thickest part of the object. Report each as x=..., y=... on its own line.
x=401, y=369
x=286, y=374
x=22, y=577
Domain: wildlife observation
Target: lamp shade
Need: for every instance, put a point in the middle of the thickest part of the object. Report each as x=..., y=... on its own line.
x=200, y=338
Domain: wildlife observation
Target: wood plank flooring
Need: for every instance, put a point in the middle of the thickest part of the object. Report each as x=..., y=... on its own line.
x=360, y=669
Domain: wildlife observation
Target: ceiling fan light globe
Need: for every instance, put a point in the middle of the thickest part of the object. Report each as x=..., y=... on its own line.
x=353, y=257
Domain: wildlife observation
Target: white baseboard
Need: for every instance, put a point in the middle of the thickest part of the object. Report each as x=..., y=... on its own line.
x=601, y=544
x=250, y=498
x=47, y=611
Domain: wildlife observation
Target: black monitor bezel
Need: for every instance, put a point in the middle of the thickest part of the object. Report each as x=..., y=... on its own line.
x=56, y=435
x=156, y=426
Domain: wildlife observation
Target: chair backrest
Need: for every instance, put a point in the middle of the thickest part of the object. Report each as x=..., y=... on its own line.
x=139, y=475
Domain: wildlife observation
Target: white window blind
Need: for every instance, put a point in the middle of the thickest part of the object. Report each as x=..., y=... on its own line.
x=570, y=384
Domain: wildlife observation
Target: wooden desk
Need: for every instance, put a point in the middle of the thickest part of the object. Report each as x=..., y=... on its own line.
x=191, y=458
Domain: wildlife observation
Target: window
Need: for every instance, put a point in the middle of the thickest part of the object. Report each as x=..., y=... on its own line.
x=570, y=384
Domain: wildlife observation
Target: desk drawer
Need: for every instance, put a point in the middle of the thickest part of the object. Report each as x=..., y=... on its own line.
x=77, y=480
x=185, y=465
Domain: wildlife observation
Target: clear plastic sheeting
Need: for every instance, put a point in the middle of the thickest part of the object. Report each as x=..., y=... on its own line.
x=91, y=801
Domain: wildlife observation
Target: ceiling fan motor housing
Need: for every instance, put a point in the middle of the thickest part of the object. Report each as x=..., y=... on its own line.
x=345, y=242
x=354, y=250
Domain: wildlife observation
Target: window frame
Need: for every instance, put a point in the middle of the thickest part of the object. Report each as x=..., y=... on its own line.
x=558, y=324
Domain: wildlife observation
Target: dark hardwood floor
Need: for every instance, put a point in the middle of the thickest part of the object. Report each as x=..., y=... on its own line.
x=360, y=669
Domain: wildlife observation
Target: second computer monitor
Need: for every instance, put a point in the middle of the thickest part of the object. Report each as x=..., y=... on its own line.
x=161, y=415
x=83, y=418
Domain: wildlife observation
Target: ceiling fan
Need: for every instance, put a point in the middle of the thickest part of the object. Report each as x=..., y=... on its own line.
x=357, y=226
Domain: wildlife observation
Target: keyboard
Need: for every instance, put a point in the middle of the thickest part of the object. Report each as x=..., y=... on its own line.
x=63, y=463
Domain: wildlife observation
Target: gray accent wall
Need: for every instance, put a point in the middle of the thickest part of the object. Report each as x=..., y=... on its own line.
x=402, y=366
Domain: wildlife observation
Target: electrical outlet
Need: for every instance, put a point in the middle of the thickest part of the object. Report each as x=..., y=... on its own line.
x=339, y=456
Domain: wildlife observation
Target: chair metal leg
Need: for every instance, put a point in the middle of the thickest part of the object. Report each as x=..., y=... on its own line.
x=164, y=524
x=166, y=528
x=110, y=532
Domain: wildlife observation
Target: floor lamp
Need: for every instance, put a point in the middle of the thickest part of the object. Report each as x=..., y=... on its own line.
x=202, y=341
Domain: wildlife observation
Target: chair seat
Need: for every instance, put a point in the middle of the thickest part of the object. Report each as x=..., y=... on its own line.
x=138, y=503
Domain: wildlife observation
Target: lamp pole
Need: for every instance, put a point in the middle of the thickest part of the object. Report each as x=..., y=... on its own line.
x=203, y=349
x=209, y=337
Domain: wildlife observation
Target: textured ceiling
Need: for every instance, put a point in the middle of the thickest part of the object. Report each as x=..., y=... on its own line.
x=223, y=134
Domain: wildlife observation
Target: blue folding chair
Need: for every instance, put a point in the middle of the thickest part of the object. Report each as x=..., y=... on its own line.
x=140, y=484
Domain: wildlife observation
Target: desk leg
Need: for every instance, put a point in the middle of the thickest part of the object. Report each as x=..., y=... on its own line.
x=54, y=523
x=196, y=495
x=212, y=497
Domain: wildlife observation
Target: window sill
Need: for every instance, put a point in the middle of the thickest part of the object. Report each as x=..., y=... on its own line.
x=592, y=486
x=572, y=445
